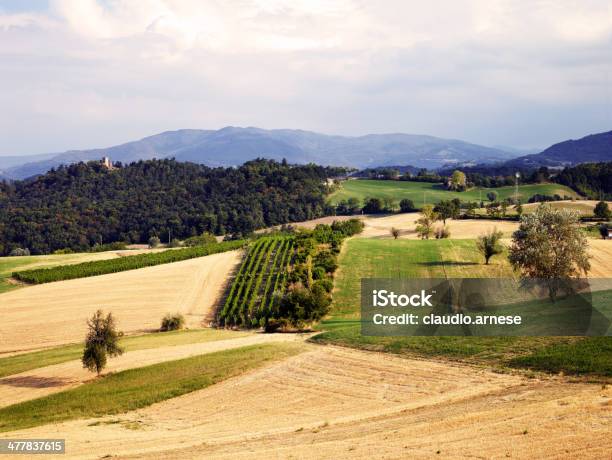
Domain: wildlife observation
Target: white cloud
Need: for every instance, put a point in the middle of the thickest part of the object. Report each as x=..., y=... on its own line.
x=98, y=72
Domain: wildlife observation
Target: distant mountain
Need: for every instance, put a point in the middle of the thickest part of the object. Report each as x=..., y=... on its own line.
x=233, y=146
x=590, y=149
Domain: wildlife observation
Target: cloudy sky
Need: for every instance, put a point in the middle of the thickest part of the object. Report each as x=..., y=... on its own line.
x=87, y=73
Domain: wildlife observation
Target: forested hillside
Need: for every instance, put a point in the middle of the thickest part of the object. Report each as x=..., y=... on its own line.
x=593, y=180
x=83, y=204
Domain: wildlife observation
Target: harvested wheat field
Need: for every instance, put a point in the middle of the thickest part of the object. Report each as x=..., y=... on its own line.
x=53, y=314
x=380, y=227
x=59, y=377
x=332, y=403
x=601, y=258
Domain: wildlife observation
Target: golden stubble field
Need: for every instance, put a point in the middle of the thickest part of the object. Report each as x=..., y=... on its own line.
x=330, y=402
x=53, y=314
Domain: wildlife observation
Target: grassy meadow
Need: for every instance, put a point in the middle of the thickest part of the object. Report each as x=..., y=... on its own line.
x=365, y=258
x=27, y=361
x=427, y=193
x=140, y=387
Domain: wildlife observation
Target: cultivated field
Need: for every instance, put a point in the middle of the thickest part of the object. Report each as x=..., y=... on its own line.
x=427, y=193
x=337, y=403
x=55, y=313
x=8, y=265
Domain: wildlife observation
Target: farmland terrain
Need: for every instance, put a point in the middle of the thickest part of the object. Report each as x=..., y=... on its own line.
x=220, y=393
x=329, y=402
x=431, y=193
x=138, y=298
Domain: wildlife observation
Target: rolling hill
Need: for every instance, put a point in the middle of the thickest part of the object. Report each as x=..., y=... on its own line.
x=589, y=149
x=232, y=146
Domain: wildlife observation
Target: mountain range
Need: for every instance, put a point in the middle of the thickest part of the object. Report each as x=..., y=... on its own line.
x=232, y=146
x=589, y=149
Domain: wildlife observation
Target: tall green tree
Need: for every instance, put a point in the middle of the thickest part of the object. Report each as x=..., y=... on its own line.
x=426, y=222
x=102, y=341
x=549, y=245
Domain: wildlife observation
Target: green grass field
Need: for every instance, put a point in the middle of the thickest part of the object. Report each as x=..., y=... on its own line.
x=424, y=192
x=363, y=258
x=34, y=360
x=136, y=388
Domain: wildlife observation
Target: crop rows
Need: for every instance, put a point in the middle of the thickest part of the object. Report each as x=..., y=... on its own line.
x=102, y=267
x=251, y=296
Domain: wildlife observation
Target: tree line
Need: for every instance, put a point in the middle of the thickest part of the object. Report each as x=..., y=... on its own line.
x=80, y=206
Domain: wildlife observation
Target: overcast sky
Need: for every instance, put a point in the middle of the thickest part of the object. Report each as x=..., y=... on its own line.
x=86, y=73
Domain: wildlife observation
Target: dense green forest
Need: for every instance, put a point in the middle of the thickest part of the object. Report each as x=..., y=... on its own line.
x=594, y=180
x=82, y=205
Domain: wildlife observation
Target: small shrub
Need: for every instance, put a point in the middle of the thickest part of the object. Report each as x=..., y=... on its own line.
x=604, y=231
x=326, y=284
x=174, y=243
x=154, y=241
x=442, y=232
x=489, y=244
x=395, y=232
x=19, y=252
x=172, y=322
x=204, y=239
x=318, y=273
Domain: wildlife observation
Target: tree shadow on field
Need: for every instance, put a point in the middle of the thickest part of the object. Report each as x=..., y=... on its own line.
x=439, y=263
x=31, y=381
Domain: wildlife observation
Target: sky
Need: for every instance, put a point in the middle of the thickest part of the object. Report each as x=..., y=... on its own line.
x=84, y=73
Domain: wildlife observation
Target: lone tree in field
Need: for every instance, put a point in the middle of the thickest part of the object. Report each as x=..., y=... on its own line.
x=102, y=340
x=549, y=245
x=602, y=210
x=425, y=223
x=458, y=181
x=489, y=244
x=395, y=232
x=492, y=196
x=604, y=231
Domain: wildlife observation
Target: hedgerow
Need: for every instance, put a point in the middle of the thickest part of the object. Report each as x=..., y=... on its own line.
x=103, y=267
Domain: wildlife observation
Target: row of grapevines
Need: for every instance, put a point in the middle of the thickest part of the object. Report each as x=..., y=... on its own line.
x=103, y=267
x=245, y=275
x=272, y=273
x=262, y=270
x=256, y=269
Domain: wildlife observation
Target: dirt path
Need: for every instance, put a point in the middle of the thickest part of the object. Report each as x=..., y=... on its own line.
x=55, y=313
x=52, y=379
x=337, y=403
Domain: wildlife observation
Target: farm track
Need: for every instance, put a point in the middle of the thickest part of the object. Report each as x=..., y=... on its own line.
x=59, y=377
x=55, y=314
x=335, y=403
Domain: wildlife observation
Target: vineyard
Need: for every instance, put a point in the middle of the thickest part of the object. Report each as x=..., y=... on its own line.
x=259, y=283
x=103, y=267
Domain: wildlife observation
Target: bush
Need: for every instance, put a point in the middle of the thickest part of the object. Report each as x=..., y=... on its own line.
x=172, y=322
x=442, y=232
x=174, y=243
x=19, y=252
x=154, y=241
x=407, y=205
x=325, y=283
x=117, y=246
x=602, y=210
x=327, y=261
x=489, y=244
x=604, y=231
x=202, y=240
x=318, y=273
